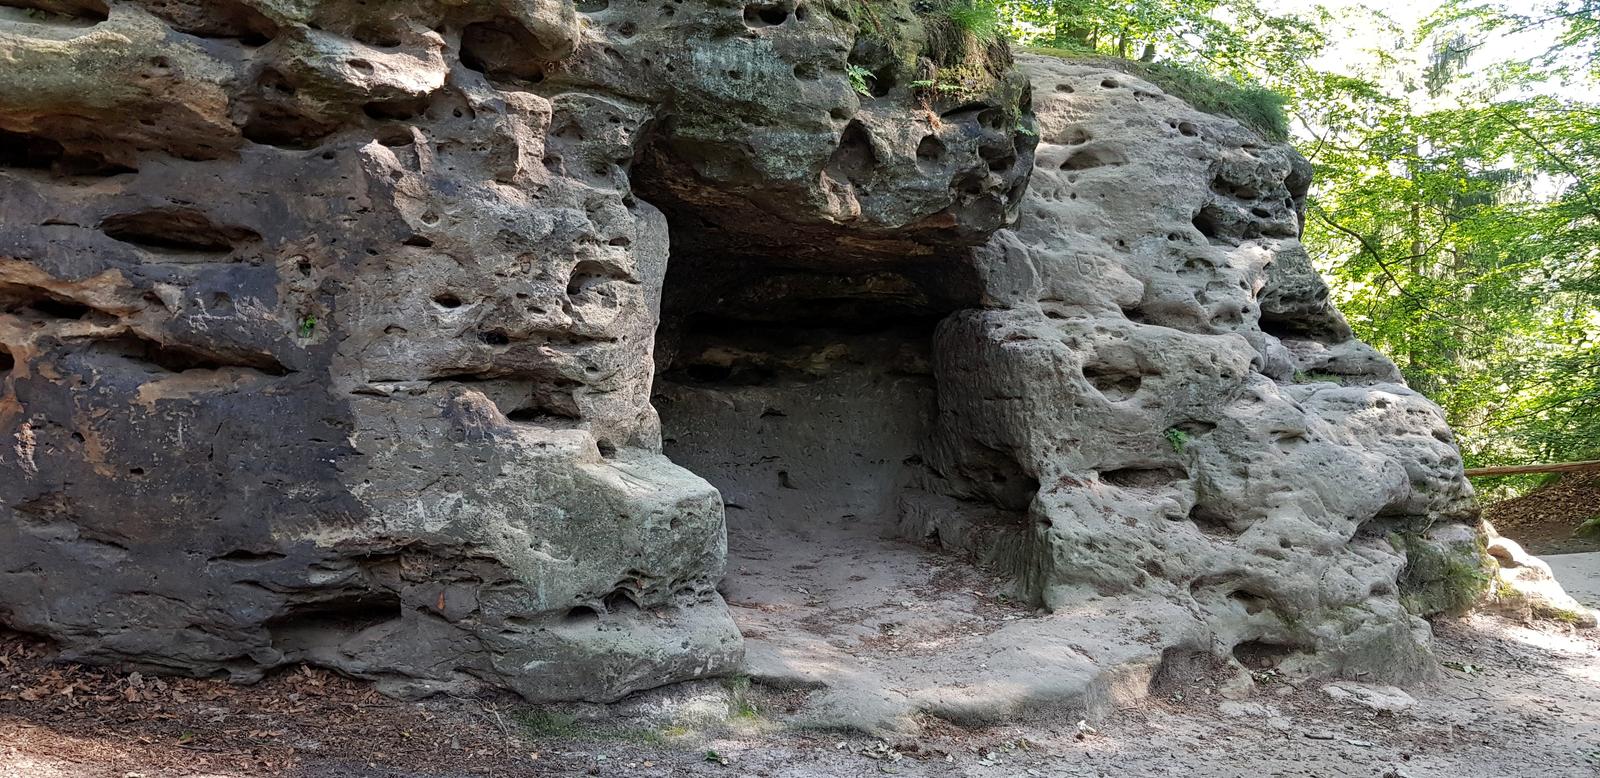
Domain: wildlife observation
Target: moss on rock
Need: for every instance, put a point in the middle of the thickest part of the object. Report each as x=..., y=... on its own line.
x=1442, y=578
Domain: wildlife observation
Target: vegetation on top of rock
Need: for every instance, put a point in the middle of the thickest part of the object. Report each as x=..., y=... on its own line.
x=948, y=42
x=1255, y=107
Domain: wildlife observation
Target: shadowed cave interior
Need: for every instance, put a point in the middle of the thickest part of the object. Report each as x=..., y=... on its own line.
x=805, y=391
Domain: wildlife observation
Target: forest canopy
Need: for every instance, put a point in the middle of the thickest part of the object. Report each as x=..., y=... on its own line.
x=1457, y=151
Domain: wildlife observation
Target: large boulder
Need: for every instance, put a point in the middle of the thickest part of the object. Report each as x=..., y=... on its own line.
x=327, y=326
x=1158, y=356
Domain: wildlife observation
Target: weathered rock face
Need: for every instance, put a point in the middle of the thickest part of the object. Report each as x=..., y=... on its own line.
x=1137, y=401
x=1158, y=354
x=330, y=334
x=327, y=328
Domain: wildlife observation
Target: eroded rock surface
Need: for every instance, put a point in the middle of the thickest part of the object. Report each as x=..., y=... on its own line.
x=1136, y=402
x=1160, y=357
x=338, y=334
x=328, y=326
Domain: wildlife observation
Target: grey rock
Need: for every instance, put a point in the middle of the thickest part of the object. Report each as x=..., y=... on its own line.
x=1379, y=699
x=346, y=335
x=327, y=327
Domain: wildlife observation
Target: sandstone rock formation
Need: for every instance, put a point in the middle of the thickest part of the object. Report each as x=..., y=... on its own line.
x=328, y=326
x=330, y=333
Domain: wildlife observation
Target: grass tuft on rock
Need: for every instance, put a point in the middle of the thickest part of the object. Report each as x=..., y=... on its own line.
x=977, y=18
x=1255, y=107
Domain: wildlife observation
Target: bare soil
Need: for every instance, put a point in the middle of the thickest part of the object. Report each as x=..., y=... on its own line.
x=1543, y=521
x=1514, y=700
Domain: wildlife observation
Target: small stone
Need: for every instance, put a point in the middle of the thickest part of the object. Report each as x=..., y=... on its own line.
x=1383, y=699
x=1236, y=710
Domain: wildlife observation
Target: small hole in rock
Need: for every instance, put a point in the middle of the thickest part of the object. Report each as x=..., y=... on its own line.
x=176, y=229
x=1261, y=655
x=1139, y=477
x=1209, y=521
x=620, y=601
x=447, y=300
x=1253, y=603
x=581, y=614
x=57, y=308
x=765, y=15
x=1115, y=384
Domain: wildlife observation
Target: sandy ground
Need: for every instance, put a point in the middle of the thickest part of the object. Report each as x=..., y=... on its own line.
x=1579, y=574
x=885, y=632
x=1515, y=700
x=861, y=616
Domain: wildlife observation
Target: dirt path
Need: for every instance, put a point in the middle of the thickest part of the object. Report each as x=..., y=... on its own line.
x=1515, y=701
x=1579, y=574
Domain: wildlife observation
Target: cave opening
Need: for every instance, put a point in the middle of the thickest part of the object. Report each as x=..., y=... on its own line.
x=803, y=386
x=805, y=395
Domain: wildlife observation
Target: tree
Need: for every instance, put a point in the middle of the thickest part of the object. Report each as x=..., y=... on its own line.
x=1457, y=205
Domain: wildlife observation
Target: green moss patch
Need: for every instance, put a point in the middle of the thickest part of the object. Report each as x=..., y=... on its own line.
x=1447, y=580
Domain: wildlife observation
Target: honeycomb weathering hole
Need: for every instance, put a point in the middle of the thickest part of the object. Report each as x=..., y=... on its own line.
x=765, y=14
x=176, y=229
x=503, y=48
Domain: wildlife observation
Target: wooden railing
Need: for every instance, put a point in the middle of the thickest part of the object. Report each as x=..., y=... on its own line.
x=1564, y=467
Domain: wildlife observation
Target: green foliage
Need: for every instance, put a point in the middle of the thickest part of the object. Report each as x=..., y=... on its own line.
x=1253, y=106
x=740, y=704
x=1589, y=529
x=858, y=80
x=548, y=724
x=977, y=18
x=1238, y=39
x=1447, y=580
x=1176, y=438
x=1457, y=215
x=540, y=724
